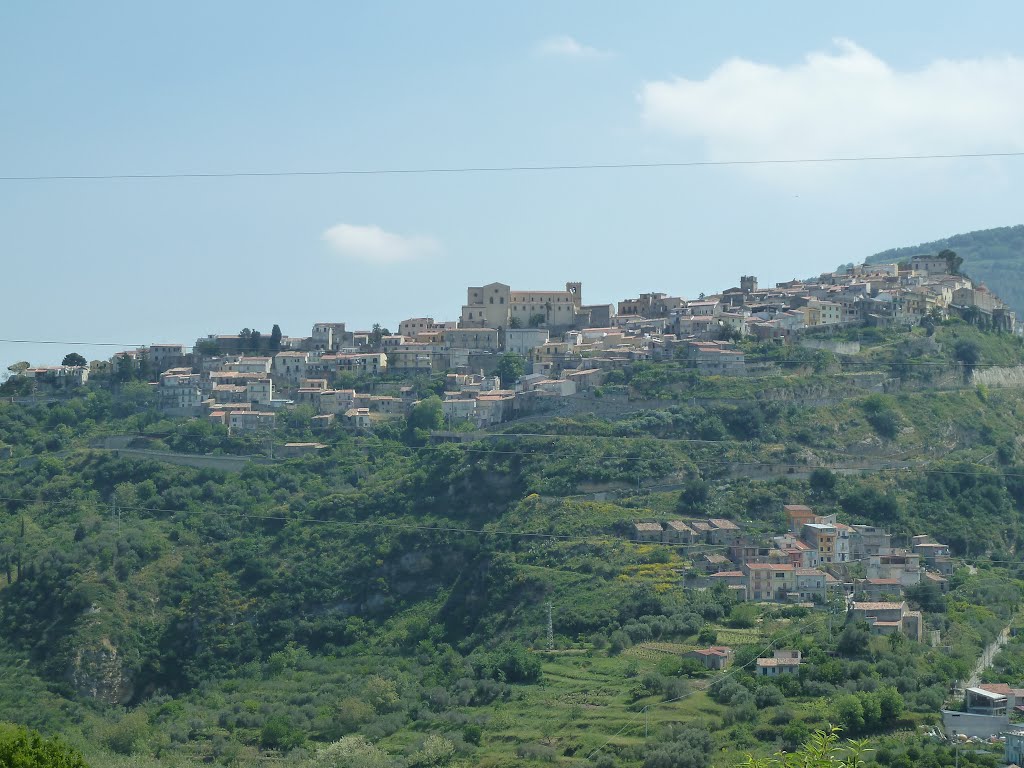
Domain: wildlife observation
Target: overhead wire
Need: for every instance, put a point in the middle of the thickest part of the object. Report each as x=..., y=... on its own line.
x=482, y=169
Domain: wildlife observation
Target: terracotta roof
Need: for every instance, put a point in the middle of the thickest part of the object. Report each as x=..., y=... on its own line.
x=647, y=526
x=771, y=566
x=722, y=524
x=726, y=574
x=678, y=525
x=714, y=650
x=778, y=662
x=1001, y=688
x=868, y=606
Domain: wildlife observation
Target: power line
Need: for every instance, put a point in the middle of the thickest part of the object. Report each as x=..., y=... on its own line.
x=501, y=168
x=71, y=343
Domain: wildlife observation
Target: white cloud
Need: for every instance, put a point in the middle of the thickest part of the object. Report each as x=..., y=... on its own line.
x=374, y=245
x=569, y=48
x=844, y=103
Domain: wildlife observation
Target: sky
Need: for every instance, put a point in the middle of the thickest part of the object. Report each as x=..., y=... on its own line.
x=112, y=88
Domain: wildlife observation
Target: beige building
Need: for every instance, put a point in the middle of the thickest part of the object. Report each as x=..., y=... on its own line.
x=889, y=618
x=785, y=662
x=647, y=531
x=496, y=305
x=164, y=356
x=251, y=421
x=414, y=327
x=358, y=418
x=291, y=366
x=472, y=338
x=715, y=657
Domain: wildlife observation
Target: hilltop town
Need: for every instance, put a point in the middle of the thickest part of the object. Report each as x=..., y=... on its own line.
x=560, y=346
x=769, y=509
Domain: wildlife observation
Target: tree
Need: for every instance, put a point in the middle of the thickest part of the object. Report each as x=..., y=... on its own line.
x=279, y=733
x=693, y=497
x=351, y=752
x=510, y=367
x=426, y=414
x=683, y=747
x=436, y=750
x=377, y=333
x=823, y=481
x=19, y=367
x=275, y=338
x=968, y=353
x=854, y=639
x=73, y=358
x=208, y=347
x=26, y=748
x=953, y=262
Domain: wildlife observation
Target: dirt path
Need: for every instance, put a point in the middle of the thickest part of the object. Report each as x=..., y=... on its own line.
x=988, y=655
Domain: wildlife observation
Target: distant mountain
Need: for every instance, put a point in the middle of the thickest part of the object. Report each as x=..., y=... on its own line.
x=993, y=256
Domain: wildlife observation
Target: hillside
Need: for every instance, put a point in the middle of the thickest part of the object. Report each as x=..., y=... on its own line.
x=390, y=596
x=994, y=256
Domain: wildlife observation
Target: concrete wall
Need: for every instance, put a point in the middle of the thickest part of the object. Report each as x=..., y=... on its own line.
x=981, y=726
x=839, y=347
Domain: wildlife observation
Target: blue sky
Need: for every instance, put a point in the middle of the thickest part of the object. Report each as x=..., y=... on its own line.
x=112, y=88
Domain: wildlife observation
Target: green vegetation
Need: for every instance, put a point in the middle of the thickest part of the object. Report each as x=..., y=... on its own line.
x=385, y=602
x=23, y=748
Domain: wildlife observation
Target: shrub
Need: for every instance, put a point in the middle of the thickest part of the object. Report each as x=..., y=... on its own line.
x=279, y=733
x=707, y=635
x=536, y=752
x=472, y=734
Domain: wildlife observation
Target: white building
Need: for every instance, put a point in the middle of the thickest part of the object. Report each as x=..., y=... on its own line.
x=251, y=421
x=336, y=400
x=459, y=409
x=291, y=366
x=251, y=365
x=164, y=356
x=260, y=392
x=179, y=390
x=523, y=341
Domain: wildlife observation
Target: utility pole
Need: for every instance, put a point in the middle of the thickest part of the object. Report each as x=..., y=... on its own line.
x=551, y=630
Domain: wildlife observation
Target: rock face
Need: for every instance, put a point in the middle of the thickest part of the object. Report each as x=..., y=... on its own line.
x=98, y=673
x=999, y=377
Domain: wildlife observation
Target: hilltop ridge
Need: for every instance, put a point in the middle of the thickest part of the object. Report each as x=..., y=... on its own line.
x=993, y=256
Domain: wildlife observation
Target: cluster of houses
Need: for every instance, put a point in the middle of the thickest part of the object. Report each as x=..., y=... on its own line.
x=568, y=346
x=247, y=393
x=810, y=560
